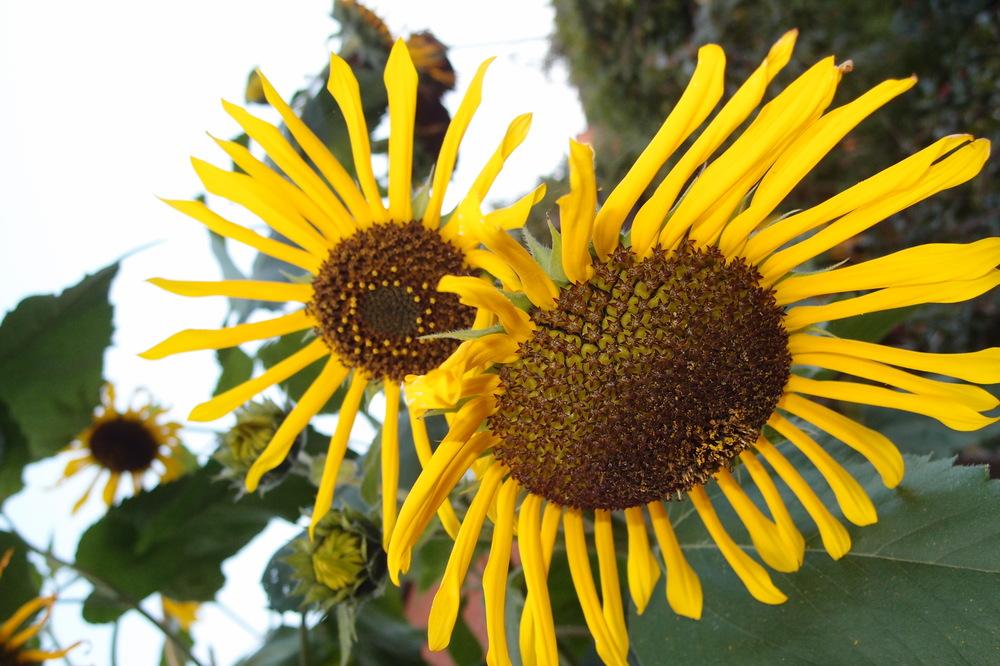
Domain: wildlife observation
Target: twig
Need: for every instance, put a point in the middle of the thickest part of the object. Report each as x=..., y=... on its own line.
x=114, y=643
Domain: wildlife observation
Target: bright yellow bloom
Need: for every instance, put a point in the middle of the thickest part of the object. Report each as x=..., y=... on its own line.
x=184, y=613
x=132, y=443
x=370, y=271
x=647, y=365
x=12, y=641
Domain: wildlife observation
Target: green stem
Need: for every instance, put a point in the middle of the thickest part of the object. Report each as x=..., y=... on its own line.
x=303, y=642
x=108, y=589
x=114, y=644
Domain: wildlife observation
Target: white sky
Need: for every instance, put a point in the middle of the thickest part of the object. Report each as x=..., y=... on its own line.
x=102, y=105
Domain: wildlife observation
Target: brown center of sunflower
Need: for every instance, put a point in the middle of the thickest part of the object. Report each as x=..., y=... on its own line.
x=643, y=381
x=376, y=295
x=123, y=444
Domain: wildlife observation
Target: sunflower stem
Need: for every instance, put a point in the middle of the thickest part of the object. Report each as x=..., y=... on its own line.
x=106, y=588
x=114, y=643
x=303, y=642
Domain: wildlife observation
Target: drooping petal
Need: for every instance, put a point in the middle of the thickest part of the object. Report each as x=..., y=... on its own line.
x=754, y=576
x=478, y=293
x=607, y=564
x=421, y=442
x=642, y=569
x=794, y=540
x=684, y=592
x=495, y=575
x=765, y=535
x=389, y=455
x=529, y=541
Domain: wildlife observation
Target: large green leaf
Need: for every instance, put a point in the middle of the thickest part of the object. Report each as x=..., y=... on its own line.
x=175, y=538
x=19, y=583
x=918, y=586
x=52, y=360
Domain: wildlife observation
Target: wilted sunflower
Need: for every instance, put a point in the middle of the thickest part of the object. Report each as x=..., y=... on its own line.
x=639, y=369
x=369, y=272
x=12, y=641
x=130, y=443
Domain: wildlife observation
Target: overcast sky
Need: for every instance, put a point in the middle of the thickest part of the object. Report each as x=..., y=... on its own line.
x=103, y=103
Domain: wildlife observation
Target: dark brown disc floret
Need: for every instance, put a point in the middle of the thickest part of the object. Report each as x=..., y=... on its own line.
x=643, y=381
x=376, y=295
x=123, y=444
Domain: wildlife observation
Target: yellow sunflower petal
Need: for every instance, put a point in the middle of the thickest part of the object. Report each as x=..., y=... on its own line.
x=782, y=118
x=401, y=85
x=949, y=413
x=421, y=442
x=767, y=538
x=958, y=167
x=611, y=596
x=324, y=160
x=449, y=146
x=20, y=638
x=924, y=264
x=75, y=466
x=390, y=460
x=515, y=135
x=478, y=293
x=889, y=298
x=495, y=266
x=308, y=406
x=21, y=616
x=226, y=402
x=684, y=592
x=111, y=488
x=583, y=581
x=576, y=213
x=642, y=569
x=271, y=139
x=448, y=598
x=345, y=90
x=646, y=225
x=981, y=367
x=536, y=284
x=794, y=540
x=754, y=576
x=852, y=498
x=873, y=445
x=269, y=246
x=527, y=630
x=199, y=339
x=899, y=176
x=337, y=449
x=971, y=396
x=834, y=535
x=529, y=541
x=332, y=224
x=495, y=575
x=805, y=153
x=700, y=96
x=279, y=292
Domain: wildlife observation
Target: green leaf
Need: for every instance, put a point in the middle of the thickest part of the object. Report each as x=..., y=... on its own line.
x=13, y=455
x=279, y=581
x=237, y=367
x=920, y=584
x=20, y=582
x=52, y=360
x=175, y=538
x=278, y=350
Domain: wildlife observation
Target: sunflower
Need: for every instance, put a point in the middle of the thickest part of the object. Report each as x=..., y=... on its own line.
x=367, y=294
x=12, y=641
x=133, y=442
x=630, y=370
x=183, y=613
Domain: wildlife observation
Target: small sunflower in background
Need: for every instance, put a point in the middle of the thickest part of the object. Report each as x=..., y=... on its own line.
x=630, y=370
x=367, y=293
x=182, y=613
x=13, y=638
x=136, y=443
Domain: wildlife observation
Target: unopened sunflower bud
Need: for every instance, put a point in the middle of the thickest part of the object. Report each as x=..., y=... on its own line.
x=256, y=423
x=343, y=564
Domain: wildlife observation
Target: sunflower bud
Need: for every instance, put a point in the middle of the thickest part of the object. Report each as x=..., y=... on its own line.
x=343, y=564
x=256, y=423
